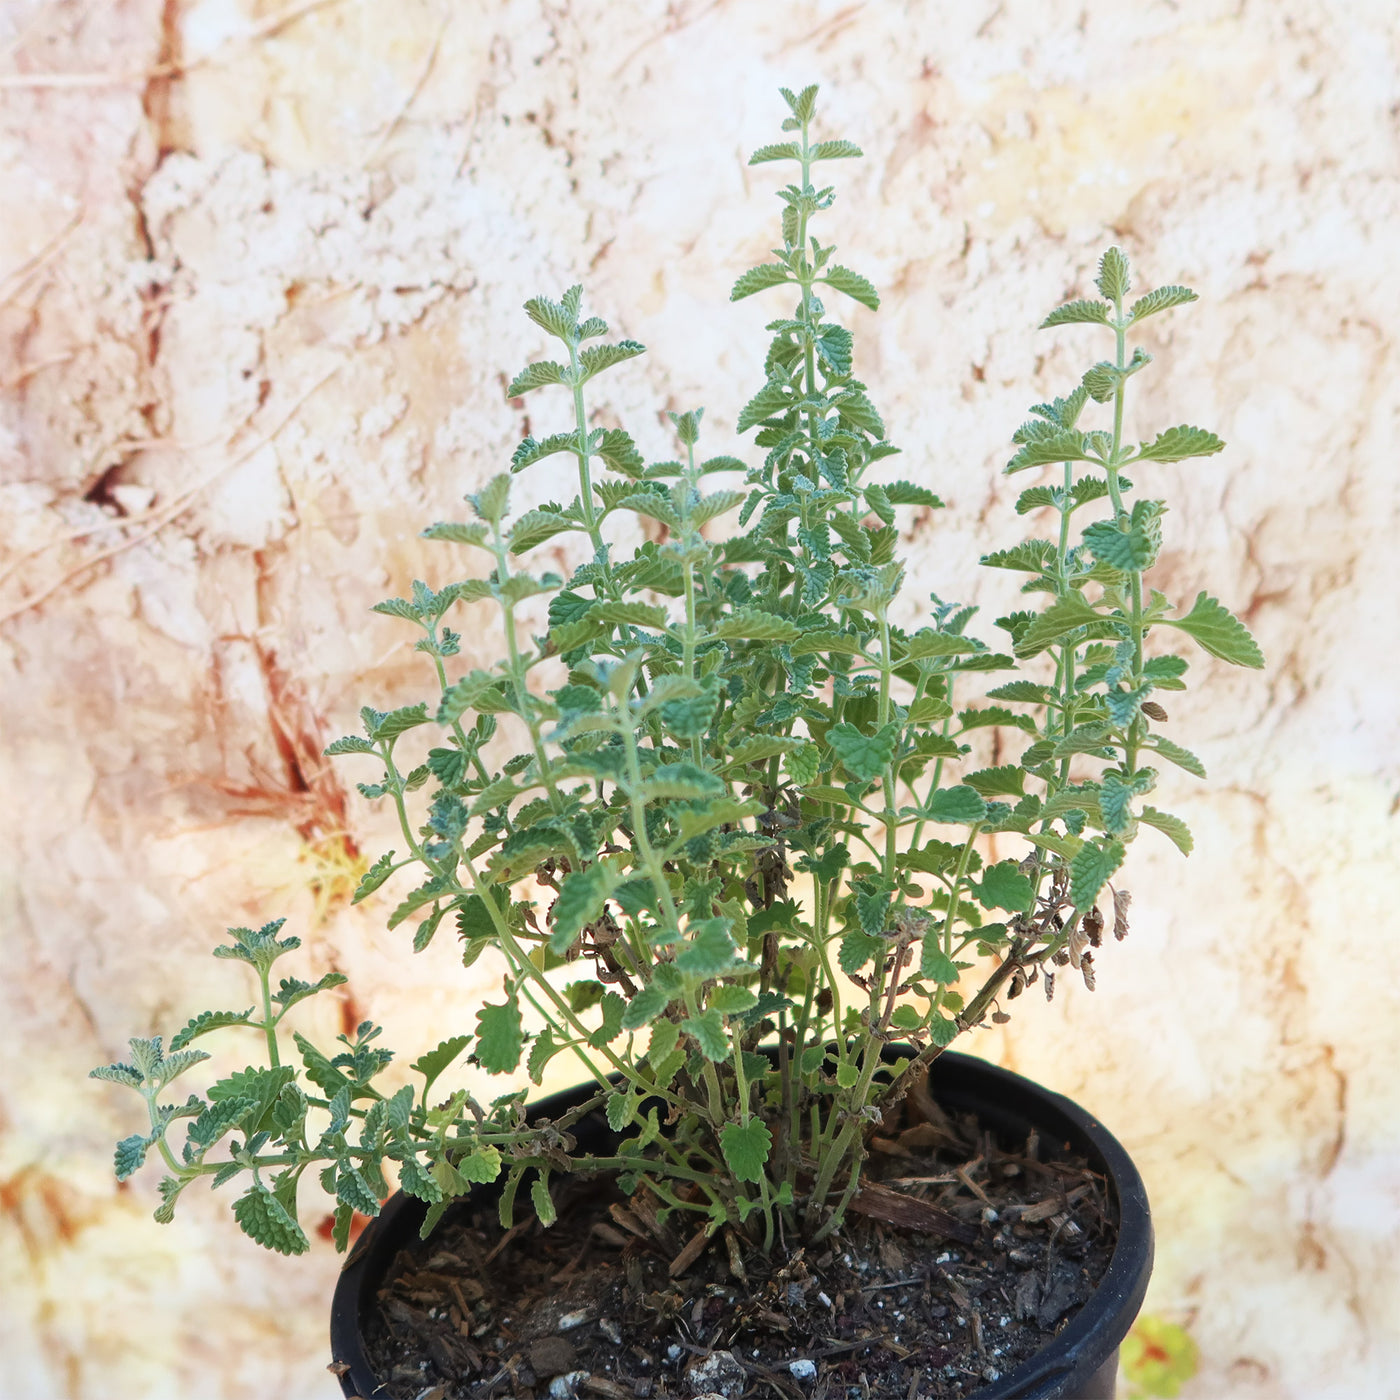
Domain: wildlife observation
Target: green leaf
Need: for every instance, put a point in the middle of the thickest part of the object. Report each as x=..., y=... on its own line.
x=664, y=1036
x=265, y=1219
x=353, y=1190
x=261, y=1088
x=646, y=1005
x=803, y=765
x=833, y=150
x=615, y=448
x=597, y=358
x=682, y=780
x=802, y=105
x=757, y=279
x=690, y=716
x=551, y=316
x=857, y=950
x=708, y=1031
x=1030, y=556
x=934, y=857
x=581, y=900
x=131, y=1155
x=1035, y=498
x=208, y=1021
x=629, y=614
x=535, y=527
x=1008, y=780
x=375, y=876
x=1090, y=870
x=1177, y=444
x=936, y=965
x=715, y=505
x=1027, y=692
x=709, y=952
x=542, y=1050
x=872, y=909
x=216, y=1120
x=865, y=756
x=847, y=1074
x=400, y=721
x=923, y=646
x=993, y=716
x=543, y=1202
x=1172, y=826
x=397, y=607
x=1063, y=616
x=1072, y=312
x=414, y=1181
x=775, y=398
x=1115, y=804
x=431, y=890
x=723, y=811
x=746, y=1147
x=959, y=804
x=880, y=503
x=1064, y=445
x=499, y=1040
x=1005, y=887
x=858, y=412
x=612, y=1006
x=432, y=1064
x=1183, y=758
x=584, y=994
x=536, y=376
x=760, y=747
x=1114, y=279
x=1161, y=300
x=454, y=532
x=942, y=1031
x=482, y=1165
x=1087, y=738
x=731, y=1000
x=833, y=643
x=621, y=1109
x=784, y=150
x=351, y=743
x=462, y=695
x=853, y=284
x=753, y=624
x=1219, y=631
x=1128, y=551
x=905, y=493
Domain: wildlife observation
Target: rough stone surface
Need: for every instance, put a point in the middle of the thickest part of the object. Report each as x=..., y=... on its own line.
x=260, y=272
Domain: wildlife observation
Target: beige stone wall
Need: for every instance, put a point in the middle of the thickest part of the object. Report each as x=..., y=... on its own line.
x=262, y=265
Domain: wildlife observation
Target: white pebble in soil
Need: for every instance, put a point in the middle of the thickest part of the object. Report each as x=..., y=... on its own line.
x=721, y=1372
x=803, y=1370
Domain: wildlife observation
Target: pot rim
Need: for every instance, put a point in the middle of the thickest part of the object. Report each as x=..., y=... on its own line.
x=1088, y=1343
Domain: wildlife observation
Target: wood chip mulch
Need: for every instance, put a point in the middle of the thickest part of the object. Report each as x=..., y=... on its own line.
x=961, y=1258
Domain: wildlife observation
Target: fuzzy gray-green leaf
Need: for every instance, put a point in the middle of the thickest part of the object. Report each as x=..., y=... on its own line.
x=1219, y=631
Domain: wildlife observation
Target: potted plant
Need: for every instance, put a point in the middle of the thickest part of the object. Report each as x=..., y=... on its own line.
x=736, y=871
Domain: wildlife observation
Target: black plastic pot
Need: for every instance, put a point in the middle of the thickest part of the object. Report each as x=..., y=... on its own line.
x=1080, y=1364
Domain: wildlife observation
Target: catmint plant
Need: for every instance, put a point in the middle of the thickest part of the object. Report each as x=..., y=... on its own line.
x=738, y=853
